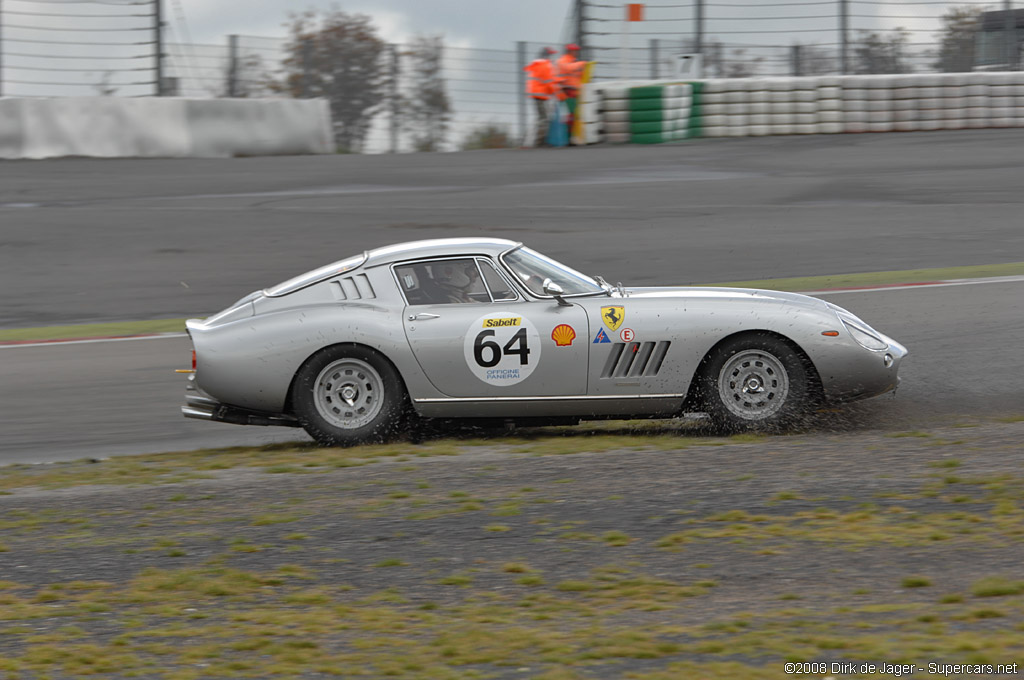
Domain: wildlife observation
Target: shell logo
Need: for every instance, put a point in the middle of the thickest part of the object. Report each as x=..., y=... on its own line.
x=563, y=335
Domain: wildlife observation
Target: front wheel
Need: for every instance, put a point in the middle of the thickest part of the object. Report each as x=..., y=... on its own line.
x=756, y=383
x=347, y=395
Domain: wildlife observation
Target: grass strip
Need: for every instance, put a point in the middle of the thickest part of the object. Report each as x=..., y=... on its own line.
x=93, y=330
x=210, y=583
x=808, y=283
x=304, y=457
x=799, y=283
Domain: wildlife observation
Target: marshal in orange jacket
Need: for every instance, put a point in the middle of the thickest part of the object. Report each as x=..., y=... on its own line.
x=541, y=81
x=570, y=70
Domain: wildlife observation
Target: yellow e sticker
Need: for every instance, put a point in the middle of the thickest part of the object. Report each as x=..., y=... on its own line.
x=502, y=323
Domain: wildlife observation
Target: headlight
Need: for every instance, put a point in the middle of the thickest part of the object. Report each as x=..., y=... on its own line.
x=865, y=336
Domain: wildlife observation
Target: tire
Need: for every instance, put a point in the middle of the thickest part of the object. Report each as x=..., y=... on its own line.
x=346, y=395
x=756, y=383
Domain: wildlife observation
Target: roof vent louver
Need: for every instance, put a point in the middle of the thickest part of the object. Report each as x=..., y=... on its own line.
x=353, y=288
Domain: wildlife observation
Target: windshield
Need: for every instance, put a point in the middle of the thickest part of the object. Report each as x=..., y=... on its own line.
x=531, y=268
x=309, y=278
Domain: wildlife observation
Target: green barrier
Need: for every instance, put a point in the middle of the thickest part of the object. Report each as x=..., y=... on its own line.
x=648, y=104
x=696, y=114
x=648, y=138
x=646, y=92
x=645, y=128
x=646, y=116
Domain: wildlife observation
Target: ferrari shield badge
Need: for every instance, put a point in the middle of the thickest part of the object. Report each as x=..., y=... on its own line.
x=613, y=316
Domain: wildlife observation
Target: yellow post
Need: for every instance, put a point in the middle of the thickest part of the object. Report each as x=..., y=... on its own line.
x=576, y=134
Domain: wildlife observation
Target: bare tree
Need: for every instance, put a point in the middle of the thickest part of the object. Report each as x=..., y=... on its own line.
x=337, y=56
x=814, y=61
x=490, y=136
x=427, y=109
x=251, y=78
x=881, y=52
x=957, y=39
x=730, y=63
x=103, y=87
x=739, y=65
x=713, y=58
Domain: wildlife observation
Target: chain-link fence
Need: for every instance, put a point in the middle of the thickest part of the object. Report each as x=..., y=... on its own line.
x=78, y=47
x=109, y=47
x=739, y=38
x=483, y=86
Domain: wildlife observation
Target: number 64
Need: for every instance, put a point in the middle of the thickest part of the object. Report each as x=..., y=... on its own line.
x=496, y=351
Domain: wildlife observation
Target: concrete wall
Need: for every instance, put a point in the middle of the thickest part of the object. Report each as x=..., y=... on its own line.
x=162, y=127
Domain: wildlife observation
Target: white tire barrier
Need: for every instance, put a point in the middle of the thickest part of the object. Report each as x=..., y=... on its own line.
x=821, y=105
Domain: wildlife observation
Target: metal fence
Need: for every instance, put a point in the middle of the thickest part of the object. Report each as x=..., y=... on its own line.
x=798, y=37
x=79, y=47
x=109, y=47
x=483, y=86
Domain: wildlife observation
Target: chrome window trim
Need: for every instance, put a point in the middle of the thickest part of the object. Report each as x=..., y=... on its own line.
x=526, y=288
x=398, y=282
x=502, y=276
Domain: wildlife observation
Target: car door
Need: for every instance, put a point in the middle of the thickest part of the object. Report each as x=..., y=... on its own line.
x=489, y=340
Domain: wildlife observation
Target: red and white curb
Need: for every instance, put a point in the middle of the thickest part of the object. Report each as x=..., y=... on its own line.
x=825, y=291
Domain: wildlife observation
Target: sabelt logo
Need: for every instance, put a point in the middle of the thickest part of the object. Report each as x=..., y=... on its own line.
x=501, y=323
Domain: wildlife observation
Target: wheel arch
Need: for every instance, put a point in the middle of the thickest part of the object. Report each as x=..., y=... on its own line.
x=694, y=400
x=290, y=408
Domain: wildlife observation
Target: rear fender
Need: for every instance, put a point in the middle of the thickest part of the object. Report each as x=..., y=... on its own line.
x=280, y=342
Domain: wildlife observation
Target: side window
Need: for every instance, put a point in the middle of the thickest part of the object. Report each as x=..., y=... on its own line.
x=442, y=282
x=500, y=288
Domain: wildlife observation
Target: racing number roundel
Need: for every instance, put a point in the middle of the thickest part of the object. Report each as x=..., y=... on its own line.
x=502, y=349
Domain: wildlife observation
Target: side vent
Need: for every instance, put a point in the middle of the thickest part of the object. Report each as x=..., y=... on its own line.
x=635, y=359
x=353, y=288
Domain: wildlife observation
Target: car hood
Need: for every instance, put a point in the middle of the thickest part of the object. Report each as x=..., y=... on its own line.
x=752, y=294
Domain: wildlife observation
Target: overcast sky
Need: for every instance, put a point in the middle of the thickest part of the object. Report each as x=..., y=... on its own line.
x=476, y=23
x=35, y=27
x=500, y=23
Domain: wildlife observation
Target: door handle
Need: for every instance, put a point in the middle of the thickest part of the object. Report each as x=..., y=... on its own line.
x=423, y=316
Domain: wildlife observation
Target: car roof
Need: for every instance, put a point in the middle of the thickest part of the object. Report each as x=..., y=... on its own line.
x=438, y=247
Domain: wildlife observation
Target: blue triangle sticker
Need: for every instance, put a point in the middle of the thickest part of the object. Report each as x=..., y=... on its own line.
x=601, y=337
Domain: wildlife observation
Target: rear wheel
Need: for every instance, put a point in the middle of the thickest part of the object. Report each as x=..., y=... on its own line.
x=346, y=395
x=755, y=382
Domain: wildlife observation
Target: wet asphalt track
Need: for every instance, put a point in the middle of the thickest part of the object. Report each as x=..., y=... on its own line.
x=103, y=240
x=94, y=400
x=89, y=240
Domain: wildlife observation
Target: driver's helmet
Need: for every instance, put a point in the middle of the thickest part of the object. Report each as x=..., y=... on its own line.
x=452, y=276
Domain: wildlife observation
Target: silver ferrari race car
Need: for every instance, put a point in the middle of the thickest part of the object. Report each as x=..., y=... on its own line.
x=490, y=329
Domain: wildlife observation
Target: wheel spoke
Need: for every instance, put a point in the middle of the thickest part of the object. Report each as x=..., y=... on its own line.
x=345, y=391
x=753, y=385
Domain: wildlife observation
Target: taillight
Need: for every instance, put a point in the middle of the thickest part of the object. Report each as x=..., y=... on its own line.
x=193, y=360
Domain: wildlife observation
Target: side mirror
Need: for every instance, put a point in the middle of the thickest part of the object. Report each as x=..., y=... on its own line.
x=554, y=290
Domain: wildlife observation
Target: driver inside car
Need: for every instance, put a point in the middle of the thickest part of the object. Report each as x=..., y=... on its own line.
x=459, y=281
